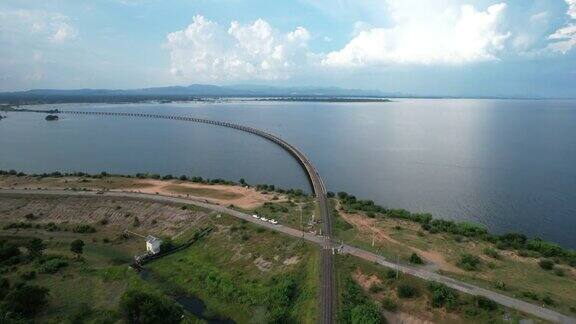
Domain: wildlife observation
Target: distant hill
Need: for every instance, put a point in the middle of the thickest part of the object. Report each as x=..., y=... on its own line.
x=194, y=91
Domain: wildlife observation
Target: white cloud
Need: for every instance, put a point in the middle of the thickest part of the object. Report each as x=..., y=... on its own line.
x=564, y=39
x=40, y=25
x=207, y=51
x=426, y=33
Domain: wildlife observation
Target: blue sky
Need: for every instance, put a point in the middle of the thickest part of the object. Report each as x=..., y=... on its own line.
x=428, y=47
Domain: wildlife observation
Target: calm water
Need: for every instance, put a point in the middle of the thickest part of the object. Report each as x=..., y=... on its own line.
x=508, y=164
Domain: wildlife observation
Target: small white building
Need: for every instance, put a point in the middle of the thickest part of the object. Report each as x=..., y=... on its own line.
x=153, y=244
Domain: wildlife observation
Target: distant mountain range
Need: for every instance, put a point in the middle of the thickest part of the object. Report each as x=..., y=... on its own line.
x=194, y=90
x=211, y=92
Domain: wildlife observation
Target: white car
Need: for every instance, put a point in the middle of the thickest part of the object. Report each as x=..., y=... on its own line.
x=273, y=221
x=255, y=216
x=264, y=219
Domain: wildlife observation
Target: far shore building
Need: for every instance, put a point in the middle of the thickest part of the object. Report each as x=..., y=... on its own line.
x=153, y=244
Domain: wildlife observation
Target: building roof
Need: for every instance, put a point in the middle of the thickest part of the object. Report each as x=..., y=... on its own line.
x=152, y=239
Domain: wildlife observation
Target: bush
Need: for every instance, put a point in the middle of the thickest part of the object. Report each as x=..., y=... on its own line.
x=546, y=264
x=27, y=300
x=416, y=259
x=356, y=307
x=492, y=253
x=500, y=285
x=84, y=229
x=389, y=304
x=53, y=264
x=531, y=295
x=376, y=288
x=469, y=262
x=8, y=250
x=143, y=308
x=28, y=275
x=442, y=295
x=390, y=274
x=548, y=300
x=485, y=303
x=406, y=291
x=559, y=272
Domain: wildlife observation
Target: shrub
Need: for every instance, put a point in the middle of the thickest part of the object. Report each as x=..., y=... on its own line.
x=559, y=272
x=442, y=295
x=485, y=303
x=546, y=264
x=531, y=295
x=143, y=308
x=84, y=229
x=548, y=300
x=26, y=300
x=492, y=253
x=406, y=291
x=376, y=288
x=389, y=304
x=469, y=262
x=52, y=265
x=390, y=274
x=8, y=250
x=28, y=275
x=500, y=285
x=416, y=259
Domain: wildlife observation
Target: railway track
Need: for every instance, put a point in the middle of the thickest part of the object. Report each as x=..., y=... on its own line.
x=328, y=281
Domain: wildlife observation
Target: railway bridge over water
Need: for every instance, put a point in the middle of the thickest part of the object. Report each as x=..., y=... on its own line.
x=328, y=282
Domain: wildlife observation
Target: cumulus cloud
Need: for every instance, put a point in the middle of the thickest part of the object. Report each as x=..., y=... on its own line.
x=206, y=50
x=423, y=33
x=564, y=39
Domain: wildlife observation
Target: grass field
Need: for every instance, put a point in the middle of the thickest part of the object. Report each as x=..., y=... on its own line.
x=508, y=273
x=265, y=275
x=247, y=273
x=382, y=289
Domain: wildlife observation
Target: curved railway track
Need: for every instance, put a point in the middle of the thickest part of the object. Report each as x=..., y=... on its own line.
x=328, y=290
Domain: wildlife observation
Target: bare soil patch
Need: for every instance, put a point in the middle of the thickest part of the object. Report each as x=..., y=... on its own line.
x=246, y=198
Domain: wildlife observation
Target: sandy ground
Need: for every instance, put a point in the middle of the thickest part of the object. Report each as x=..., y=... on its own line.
x=368, y=225
x=246, y=198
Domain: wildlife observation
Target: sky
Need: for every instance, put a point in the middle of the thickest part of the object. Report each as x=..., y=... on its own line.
x=424, y=47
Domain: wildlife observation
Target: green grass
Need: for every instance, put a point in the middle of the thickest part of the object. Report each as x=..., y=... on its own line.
x=223, y=271
x=518, y=276
x=418, y=306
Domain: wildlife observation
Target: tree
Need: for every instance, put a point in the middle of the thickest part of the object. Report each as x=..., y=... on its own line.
x=35, y=247
x=416, y=259
x=8, y=250
x=143, y=308
x=27, y=300
x=77, y=247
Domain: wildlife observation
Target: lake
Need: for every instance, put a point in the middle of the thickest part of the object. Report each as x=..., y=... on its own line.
x=507, y=164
